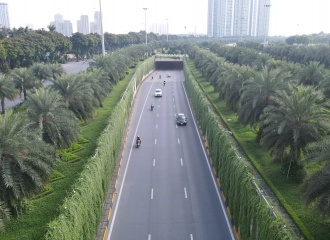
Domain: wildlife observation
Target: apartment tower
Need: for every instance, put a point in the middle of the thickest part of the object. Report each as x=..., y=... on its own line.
x=238, y=18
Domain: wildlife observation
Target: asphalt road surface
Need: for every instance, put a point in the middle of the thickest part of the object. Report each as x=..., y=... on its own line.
x=166, y=190
x=69, y=68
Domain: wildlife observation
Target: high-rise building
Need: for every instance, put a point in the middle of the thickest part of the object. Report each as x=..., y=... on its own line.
x=62, y=26
x=83, y=24
x=95, y=27
x=238, y=18
x=4, y=16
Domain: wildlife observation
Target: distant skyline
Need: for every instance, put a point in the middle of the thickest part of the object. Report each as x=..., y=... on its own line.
x=287, y=17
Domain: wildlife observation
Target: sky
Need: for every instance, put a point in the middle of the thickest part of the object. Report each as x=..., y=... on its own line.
x=287, y=17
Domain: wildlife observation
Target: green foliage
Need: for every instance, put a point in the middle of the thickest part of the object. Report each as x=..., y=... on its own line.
x=68, y=156
x=56, y=175
x=80, y=213
x=251, y=216
x=45, y=191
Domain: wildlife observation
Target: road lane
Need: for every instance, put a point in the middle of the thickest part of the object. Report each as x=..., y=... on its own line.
x=166, y=190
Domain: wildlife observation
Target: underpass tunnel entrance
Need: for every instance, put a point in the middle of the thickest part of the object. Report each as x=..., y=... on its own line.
x=169, y=64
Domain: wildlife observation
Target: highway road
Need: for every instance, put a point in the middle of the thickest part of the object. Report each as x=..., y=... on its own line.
x=165, y=189
x=69, y=68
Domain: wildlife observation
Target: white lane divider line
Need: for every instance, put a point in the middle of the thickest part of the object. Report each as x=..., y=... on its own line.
x=178, y=140
x=149, y=237
x=191, y=237
x=154, y=163
x=173, y=99
x=156, y=125
x=181, y=162
x=174, y=106
x=185, y=193
x=152, y=193
x=156, y=141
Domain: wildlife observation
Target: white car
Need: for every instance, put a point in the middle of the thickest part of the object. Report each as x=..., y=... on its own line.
x=158, y=93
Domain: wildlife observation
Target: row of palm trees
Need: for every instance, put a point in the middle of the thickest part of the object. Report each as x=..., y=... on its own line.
x=49, y=119
x=290, y=116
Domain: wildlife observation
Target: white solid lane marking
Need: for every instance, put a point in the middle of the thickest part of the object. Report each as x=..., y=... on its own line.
x=178, y=141
x=115, y=209
x=152, y=193
x=155, y=141
x=181, y=162
x=149, y=237
x=210, y=169
x=154, y=163
x=185, y=193
x=191, y=237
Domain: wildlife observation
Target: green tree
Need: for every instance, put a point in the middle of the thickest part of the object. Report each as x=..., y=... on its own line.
x=24, y=80
x=41, y=71
x=312, y=74
x=4, y=215
x=316, y=188
x=77, y=93
x=258, y=93
x=298, y=118
x=25, y=160
x=99, y=82
x=79, y=44
x=46, y=111
x=56, y=70
x=7, y=90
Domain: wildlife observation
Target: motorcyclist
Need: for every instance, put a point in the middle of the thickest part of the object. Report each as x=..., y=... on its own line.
x=164, y=82
x=138, y=139
x=152, y=106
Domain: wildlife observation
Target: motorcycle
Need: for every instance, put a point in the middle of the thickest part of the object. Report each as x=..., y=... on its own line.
x=164, y=83
x=138, y=143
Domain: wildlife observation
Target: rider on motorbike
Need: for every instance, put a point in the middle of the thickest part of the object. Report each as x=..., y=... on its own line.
x=152, y=106
x=164, y=82
x=138, y=140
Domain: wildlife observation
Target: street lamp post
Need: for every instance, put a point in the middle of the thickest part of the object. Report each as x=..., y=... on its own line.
x=102, y=34
x=145, y=23
x=167, y=30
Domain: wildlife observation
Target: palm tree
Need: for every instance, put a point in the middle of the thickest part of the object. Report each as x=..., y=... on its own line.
x=107, y=64
x=296, y=120
x=77, y=93
x=99, y=82
x=46, y=111
x=235, y=79
x=316, y=189
x=26, y=161
x=7, y=90
x=24, y=80
x=4, y=215
x=312, y=74
x=258, y=93
x=41, y=71
x=56, y=70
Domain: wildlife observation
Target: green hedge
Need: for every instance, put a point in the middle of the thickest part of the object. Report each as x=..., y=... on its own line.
x=252, y=216
x=82, y=209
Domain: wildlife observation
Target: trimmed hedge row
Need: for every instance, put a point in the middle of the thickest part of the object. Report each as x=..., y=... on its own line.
x=82, y=209
x=251, y=215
